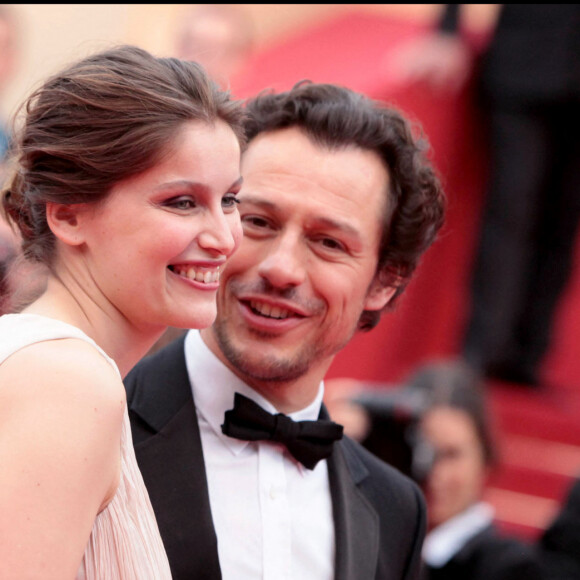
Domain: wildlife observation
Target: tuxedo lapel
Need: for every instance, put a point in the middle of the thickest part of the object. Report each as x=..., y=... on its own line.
x=356, y=522
x=170, y=456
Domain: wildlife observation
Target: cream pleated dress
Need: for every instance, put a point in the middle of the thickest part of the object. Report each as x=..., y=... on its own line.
x=125, y=543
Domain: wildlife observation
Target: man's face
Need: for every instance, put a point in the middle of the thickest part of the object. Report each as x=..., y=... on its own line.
x=292, y=295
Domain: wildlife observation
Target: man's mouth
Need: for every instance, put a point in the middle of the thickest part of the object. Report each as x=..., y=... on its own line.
x=204, y=275
x=269, y=311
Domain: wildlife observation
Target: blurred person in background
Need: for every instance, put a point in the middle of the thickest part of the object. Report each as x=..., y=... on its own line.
x=8, y=61
x=454, y=437
x=7, y=255
x=440, y=418
x=529, y=85
x=8, y=240
x=21, y=281
x=220, y=37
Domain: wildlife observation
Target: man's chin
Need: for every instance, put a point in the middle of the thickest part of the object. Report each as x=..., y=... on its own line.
x=265, y=367
x=258, y=362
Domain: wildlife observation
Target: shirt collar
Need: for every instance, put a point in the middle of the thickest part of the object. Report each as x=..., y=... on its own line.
x=213, y=386
x=444, y=541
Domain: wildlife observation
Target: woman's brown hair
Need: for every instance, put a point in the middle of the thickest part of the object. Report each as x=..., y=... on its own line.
x=103, y=119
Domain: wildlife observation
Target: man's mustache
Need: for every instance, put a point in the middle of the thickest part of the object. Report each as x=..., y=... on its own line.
x=264, y=288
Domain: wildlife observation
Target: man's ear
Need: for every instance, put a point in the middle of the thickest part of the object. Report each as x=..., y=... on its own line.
x=64, y=222
x=379, y=295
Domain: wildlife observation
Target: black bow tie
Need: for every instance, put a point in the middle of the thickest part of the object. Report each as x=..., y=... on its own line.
x=307, y=441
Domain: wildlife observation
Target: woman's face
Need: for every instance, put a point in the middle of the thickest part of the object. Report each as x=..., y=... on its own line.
x=458, y=475
x=154, y=248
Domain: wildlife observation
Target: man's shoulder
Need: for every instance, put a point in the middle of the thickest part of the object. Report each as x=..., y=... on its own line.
x=153, y=370
x=157, y=388
x=398, y=504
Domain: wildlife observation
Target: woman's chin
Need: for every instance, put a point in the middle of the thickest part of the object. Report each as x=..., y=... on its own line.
x=202, y=317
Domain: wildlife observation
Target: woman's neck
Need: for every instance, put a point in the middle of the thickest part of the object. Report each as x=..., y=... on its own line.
x=97, y=318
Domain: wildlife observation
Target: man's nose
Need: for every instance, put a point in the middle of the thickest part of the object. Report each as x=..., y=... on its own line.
x=285, y=263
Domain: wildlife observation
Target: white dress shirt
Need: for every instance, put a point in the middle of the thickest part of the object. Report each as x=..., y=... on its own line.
x=272, y=516
x=444, y=541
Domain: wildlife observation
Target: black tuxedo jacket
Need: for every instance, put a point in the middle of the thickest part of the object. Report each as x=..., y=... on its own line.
x=379, y=514
x=489, y=556
x=559, y=545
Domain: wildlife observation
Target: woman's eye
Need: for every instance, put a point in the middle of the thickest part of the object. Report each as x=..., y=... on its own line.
x=230, y=200
x=181, y=203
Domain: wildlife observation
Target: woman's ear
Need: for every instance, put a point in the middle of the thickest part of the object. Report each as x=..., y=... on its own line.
x=64, y=222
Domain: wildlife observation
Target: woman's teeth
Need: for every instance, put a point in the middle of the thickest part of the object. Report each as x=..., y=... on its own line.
x=191, y=273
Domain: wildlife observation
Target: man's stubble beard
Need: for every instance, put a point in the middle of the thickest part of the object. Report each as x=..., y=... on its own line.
x=270, y=368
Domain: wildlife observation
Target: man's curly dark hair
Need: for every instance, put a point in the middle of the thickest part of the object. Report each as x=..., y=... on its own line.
x=336, y=117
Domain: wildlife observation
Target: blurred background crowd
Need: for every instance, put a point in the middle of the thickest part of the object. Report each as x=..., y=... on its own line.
x=470, y=385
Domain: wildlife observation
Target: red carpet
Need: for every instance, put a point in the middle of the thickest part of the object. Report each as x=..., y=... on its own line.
x=538, y=431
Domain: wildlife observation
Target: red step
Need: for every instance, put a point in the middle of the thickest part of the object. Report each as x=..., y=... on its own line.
x=531, y=481
x=538, y=435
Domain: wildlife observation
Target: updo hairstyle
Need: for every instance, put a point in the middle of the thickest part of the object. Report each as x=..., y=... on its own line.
x=102, y=120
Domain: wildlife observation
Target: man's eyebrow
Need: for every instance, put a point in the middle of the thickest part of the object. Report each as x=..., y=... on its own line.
x=323, y=222
x=259, y=201
x=342, y=226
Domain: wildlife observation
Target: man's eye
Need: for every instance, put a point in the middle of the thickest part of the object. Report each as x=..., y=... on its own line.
x=255, y=221
x=331, y=244
x=229, y=200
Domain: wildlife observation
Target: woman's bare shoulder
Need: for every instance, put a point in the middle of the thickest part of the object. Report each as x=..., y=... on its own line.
x=61, y=414
x=66, y=372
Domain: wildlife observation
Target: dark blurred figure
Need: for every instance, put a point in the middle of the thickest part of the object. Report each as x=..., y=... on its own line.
x=218, y=36
x=529, y=84
x=560, y=543
x=440, y=434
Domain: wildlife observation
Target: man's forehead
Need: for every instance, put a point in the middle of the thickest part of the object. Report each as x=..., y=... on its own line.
x=289, y=161
x=295, y=137
x=266, y=146
x=294, y=147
